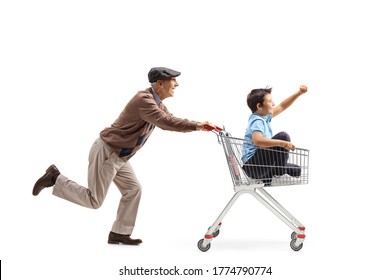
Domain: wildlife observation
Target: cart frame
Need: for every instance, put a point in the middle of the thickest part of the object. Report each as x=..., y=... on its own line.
x=243, y=184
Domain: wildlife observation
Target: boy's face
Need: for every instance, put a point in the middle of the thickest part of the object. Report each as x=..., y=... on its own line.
x=267, y=107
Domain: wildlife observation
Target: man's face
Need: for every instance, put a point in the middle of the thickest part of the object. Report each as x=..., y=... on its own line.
x=167, y=87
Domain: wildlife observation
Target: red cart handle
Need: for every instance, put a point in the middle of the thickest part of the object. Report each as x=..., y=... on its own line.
x=212, y=128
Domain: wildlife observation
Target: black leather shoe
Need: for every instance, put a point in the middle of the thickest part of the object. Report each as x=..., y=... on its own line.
x=47, y=180
x=116, y=238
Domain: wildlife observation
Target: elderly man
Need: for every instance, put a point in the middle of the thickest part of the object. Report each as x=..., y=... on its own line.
x=110, y=154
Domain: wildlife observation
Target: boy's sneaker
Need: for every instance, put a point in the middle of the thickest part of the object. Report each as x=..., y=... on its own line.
x=293, y=170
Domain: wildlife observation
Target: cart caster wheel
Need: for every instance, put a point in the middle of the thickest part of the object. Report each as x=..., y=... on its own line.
x=215, y=233
x=295, y=247
x=201, y=247
x=294, y=235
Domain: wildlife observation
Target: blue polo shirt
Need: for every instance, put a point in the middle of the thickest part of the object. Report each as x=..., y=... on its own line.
x=256, y=123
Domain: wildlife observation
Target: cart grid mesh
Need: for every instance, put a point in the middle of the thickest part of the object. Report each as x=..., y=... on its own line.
x=271, y=166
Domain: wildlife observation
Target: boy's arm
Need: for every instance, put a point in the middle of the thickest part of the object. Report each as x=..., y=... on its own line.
x=288, y=101
x=259, y=140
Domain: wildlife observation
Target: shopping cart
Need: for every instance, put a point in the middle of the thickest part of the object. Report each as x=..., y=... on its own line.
x=274, y=167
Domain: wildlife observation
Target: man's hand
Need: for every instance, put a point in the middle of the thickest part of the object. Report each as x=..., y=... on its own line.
x=201, y=126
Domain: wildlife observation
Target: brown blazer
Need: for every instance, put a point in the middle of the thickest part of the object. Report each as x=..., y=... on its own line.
x=137, y=121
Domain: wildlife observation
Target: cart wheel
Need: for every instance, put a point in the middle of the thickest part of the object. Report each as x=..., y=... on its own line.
x=294, y=235
x=202, y=248
x=295, y=247
x=215, y=233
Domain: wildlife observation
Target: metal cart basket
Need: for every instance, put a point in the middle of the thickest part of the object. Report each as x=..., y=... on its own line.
x=270, y=167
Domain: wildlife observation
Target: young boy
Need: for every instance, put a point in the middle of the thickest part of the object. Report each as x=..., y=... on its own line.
x=271, y=160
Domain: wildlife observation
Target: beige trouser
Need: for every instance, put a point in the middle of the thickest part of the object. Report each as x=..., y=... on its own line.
x=105, y=167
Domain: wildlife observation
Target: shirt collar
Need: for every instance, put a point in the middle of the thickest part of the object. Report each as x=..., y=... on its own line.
x=269, y=116
x=156, y=97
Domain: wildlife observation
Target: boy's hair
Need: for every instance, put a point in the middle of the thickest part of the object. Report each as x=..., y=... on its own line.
x=257, y=96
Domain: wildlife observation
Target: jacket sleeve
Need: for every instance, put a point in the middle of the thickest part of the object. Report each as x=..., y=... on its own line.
x=151, y=113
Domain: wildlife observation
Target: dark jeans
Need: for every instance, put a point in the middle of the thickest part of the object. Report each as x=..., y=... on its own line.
x=267, y=162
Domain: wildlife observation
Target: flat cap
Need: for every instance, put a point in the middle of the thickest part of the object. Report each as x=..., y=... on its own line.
x=161, y=73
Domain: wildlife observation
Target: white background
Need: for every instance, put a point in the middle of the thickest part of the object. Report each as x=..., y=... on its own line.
x=67, y=69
